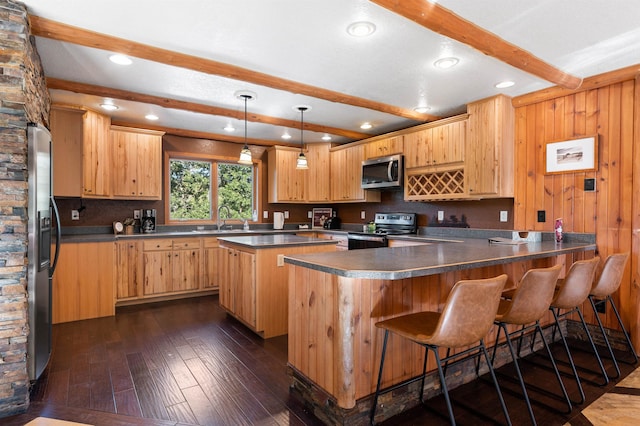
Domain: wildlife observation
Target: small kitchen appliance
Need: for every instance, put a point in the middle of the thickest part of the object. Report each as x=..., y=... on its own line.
x=385, y=224
x=383, y=173
x=278, y=220
x=148, y=221
x=332, y=223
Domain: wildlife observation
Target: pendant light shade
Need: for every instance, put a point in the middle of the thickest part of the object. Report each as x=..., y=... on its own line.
x=245, y=154
x=301, y=163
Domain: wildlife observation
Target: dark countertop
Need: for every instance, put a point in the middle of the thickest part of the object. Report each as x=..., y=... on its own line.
x=274, y=240
x=435, y=258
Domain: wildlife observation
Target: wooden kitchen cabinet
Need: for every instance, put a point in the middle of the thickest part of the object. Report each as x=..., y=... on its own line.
x=82, y=285
x=137, y=163
x=286, y=183
x=128, y=269
x=96, y=155
x=489, y=163
x=319, y=173
x=66, y=134
x=346, y=176
x=383, y=147
x=211, y=270
x=438, y=143
x=171, y=265
x=238, y=284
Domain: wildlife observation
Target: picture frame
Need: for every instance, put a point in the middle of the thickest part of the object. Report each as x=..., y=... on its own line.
x=320, y=215
x=571, y=155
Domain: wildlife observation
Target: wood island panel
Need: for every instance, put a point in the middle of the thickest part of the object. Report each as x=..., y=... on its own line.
x=333, y=340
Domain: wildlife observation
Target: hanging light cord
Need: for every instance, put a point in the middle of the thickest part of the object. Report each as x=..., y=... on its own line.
x=246, y=97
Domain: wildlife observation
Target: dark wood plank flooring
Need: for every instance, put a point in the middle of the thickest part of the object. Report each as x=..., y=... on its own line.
x=186, y=363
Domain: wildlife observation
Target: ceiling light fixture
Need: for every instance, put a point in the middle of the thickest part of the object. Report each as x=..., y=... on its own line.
x=361, y=29
x=286, y=136
x=301, y=163
x=326, y=137
x=504, y=84
x=421, y=109
x=245, y=154
x=229, y=128
x=120, y=59
x=109, y=107
x=151, y=117
x=366, y=126
x=446, y=63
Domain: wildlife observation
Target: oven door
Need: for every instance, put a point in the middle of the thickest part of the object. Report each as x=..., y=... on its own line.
x=365, y=241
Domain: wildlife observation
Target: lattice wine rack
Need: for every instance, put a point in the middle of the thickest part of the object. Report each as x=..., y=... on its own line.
x=438, y=185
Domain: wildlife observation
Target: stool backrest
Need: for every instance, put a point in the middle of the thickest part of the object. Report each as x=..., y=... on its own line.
x=468, y=312
x=532, y=297
x=576, y=286
x=611, y=275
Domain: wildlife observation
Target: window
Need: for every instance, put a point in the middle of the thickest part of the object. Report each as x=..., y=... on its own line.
x=196, y=183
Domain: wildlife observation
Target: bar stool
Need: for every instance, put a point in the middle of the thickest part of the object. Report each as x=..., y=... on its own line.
x=465, y=319
x=570, y=293
x=607, y=284
x=531, y=299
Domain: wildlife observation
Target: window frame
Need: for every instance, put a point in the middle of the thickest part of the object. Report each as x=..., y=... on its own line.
x=214, y=160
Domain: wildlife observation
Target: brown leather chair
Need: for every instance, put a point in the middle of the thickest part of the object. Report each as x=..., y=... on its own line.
x=465, y=319
x=571, y=292
x=607, y=284
x=531, y=300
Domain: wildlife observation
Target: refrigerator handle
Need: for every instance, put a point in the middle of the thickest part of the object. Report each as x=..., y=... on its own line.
x=52, y=268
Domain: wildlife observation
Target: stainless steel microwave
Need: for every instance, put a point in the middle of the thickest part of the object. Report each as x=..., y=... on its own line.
x=383, y=172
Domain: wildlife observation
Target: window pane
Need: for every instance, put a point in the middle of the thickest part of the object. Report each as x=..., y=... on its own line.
x=190, y=193
x=235, y=189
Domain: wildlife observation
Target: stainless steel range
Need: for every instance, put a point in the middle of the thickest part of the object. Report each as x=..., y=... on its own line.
x=385, y=224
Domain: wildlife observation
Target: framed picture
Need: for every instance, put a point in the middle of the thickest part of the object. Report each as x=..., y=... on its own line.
x=320, y=215
x=572, y=155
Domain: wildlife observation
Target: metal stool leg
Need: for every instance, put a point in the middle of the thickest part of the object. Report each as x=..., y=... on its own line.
x=606, y=340
x=375, y=397
x=443, y=384
x=566, y=348
x=624, y=331
x=555, y=367
x=593, y=346
x=495, y=382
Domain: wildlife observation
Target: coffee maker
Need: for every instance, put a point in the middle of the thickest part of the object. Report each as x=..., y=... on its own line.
x=148, y=222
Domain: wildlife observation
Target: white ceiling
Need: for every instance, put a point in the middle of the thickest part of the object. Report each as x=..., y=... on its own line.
x=306, y=41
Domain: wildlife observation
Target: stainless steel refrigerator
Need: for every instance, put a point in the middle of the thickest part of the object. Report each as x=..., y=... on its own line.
x=41, y=211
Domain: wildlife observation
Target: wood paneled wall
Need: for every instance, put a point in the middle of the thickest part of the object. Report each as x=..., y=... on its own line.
x=609, y=110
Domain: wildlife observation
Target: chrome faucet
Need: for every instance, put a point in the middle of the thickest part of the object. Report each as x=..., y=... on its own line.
x=223, y=220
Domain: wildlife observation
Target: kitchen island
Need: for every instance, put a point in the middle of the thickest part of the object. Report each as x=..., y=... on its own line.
x=253, y=279
x=335, y=299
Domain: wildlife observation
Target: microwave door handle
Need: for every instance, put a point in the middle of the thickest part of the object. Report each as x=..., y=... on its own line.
x=390, y=171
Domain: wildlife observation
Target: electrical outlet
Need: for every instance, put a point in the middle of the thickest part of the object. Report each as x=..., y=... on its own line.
x=363, y=214
x=280, y=260
x=589, y=185
x=440, y=215
x=309, y=214
x=504, y=215
x=265, y=214
x=75, y=215
x=542, y=216
x=136, y=214
x=286, y=214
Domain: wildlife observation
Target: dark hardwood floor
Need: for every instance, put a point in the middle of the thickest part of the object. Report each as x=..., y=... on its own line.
x=185, y=362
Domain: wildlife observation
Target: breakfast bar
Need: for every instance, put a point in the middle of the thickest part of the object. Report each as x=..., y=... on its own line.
x=336, y=298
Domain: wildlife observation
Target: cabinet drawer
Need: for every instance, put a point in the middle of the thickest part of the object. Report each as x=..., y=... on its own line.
x=152, y=245
x=186, y=243
x=210, y=242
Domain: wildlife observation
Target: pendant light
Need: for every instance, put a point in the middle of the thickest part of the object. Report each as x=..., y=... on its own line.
x=301, y=163
x=245, y=154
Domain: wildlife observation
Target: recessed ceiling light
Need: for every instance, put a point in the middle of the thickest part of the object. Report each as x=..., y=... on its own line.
x=366, y=126
x=120, y=59
x=446, y=63
x=504, y=84
x=286, y=136
x=151, y=117
x=421, y=109
x=109, y=107
x=361, y=29
x=229, y=128
x=326, y=137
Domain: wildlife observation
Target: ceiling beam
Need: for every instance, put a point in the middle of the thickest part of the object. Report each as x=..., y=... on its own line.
x=43, y=27
x=442, y=21
x=90, y=89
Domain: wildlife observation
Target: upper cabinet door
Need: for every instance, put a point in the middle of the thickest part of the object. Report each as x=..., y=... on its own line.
x=66, y=134
x=96, y=155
